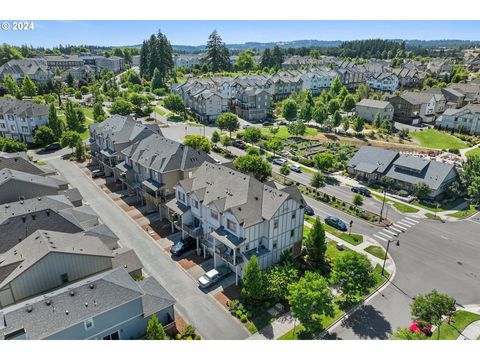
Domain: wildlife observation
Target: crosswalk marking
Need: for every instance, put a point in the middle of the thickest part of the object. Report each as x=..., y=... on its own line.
x=379, y=237
x=415, y=221
x=396, y=228
x=404, y=223
x=409, y=222
x=400, y=226
x=390, y=232
x=383, y=234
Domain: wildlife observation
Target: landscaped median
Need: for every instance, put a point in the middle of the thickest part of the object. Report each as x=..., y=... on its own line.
x=354, y=239
x=463, y=214
x=376, y=251
x=404, y=208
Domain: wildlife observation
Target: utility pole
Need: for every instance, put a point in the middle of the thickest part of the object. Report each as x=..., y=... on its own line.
x=383, y=205
x=350, y=230
x=386, y=253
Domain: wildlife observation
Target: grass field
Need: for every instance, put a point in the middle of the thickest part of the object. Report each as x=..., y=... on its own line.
x=460, y=320
x=159, y=111
x=448, y=206
x=433, y=216
x=474, y=152
x=376, y=251
x=398, y=205
x=438, y=140
x=465, y=213
x=284, y=134
x=354, y=239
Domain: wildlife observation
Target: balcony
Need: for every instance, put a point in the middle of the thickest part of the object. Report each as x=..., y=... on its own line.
x=192, y=231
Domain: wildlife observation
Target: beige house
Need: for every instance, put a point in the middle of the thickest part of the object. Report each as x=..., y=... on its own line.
x=367, y=109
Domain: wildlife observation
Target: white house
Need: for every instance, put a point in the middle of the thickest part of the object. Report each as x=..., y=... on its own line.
x=466, y=119
x=233, y=216
x=19, y=119
x=383, y=81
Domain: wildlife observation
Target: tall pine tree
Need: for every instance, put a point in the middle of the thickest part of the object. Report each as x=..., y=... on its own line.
x=218, y=56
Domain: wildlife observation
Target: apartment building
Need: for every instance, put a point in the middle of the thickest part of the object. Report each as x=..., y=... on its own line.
x=383, y=81
x=368, y=109
x=233, y=216
x=465, y=119
x=110, y=137
x=36, y=69
x=252, y=104
x=63, y=62
x=151, y=167
x=20, y=118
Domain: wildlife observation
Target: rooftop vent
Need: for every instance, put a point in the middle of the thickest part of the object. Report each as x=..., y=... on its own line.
x=48, y=302
x=29, y=308
x=86, y=304
x=66, y=312
x=91, y=286
x=72, y=293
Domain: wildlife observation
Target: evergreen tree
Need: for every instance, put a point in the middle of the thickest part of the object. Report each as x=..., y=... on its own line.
x=54, y=122
x=217, y=54
x=98, y=113
x=155, y=330
x=314, y=244
x=267, y=59
x=70, y=79
x=74, y=122
x=377, y=122
x=156, y=80
x=277, y=56
x=28, y=87
x=11, y=85
x=253, y=289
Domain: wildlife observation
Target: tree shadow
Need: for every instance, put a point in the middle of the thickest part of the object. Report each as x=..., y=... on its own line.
x=368, y=323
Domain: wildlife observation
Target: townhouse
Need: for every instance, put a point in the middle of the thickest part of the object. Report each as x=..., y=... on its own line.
x=409, y=77
x=383, y=81
x=297, y=61
x=36, y=69
x=465, y=119
x=82, y=73
x=370, y=164
x=188, y=61
x=414, y=108
x=19, y=161
x=368, y=109
x=20, y=219
x=318, y=79
x=20, y=118
x=63, y=62
x=151, y=167
x=106, y=306
x=252, y=104
x=233, y=216
x=110, y=137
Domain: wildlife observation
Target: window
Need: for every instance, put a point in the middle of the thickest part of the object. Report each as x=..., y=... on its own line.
x=88, y=324
x=24, y=128
x=2, y=126
x=275, y=224
x=292, y=233
x=274, y=244
x=231, y=226
x=113, y=336
x=181, y=197
x=13, y=128
x=293, y=216
x=214, y=214
x=195, y=203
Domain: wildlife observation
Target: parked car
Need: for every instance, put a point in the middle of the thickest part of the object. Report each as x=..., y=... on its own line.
x=183, y=246
x=295, y=168
x=421, y=327
x=98, y=173
x=239, y=144
x=309, y=210
x=279, y=161
x=213, y=276
x=246, y=126
x=217, y=161
x=52, y=147
x=362, y=191
x=267, y=123
x=282, y=122
x=336, y=223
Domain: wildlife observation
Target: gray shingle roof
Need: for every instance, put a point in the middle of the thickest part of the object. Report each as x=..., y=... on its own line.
x=19, y=161
x=102, y=293
x=10, y=174
x=161, y=154
x=249, y=200
x=379, y=104
x=41, y=243
x=381, y=158
x=22, y=108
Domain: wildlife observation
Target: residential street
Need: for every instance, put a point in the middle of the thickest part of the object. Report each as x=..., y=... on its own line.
x=199, y=309
x=432, y=255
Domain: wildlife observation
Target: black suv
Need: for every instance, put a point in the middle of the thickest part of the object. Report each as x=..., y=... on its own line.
x=362, y=191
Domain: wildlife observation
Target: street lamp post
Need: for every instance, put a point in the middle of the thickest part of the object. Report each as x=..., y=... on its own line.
x=386, y=253
x=383, y=205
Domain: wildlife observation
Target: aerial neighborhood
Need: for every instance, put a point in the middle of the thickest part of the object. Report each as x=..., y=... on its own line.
x=165, y=192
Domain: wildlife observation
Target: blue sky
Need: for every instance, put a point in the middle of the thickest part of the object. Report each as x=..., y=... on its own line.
x=116, y=33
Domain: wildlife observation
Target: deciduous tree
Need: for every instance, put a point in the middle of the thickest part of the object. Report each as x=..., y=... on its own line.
x=253, y=284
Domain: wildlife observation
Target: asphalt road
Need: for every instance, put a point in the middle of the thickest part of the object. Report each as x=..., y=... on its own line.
x=432, y=255
x=200, y=309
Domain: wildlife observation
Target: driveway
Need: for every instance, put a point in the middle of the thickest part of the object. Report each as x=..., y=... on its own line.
x=198, y=308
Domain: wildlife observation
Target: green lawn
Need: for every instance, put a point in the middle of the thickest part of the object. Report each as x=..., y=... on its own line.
x=438, y=140
x=398, y=205
x=159, y=111
x=460, y=320
x=284, y=134
x=433, y=216
x=448, y=206
x=474, y=152
x=354, y=239
x=465, y=213
x=88, y=111
x=376, y=251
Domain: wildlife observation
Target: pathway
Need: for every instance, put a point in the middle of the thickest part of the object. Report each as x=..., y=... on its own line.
x=471, y=332
x=463, y=152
